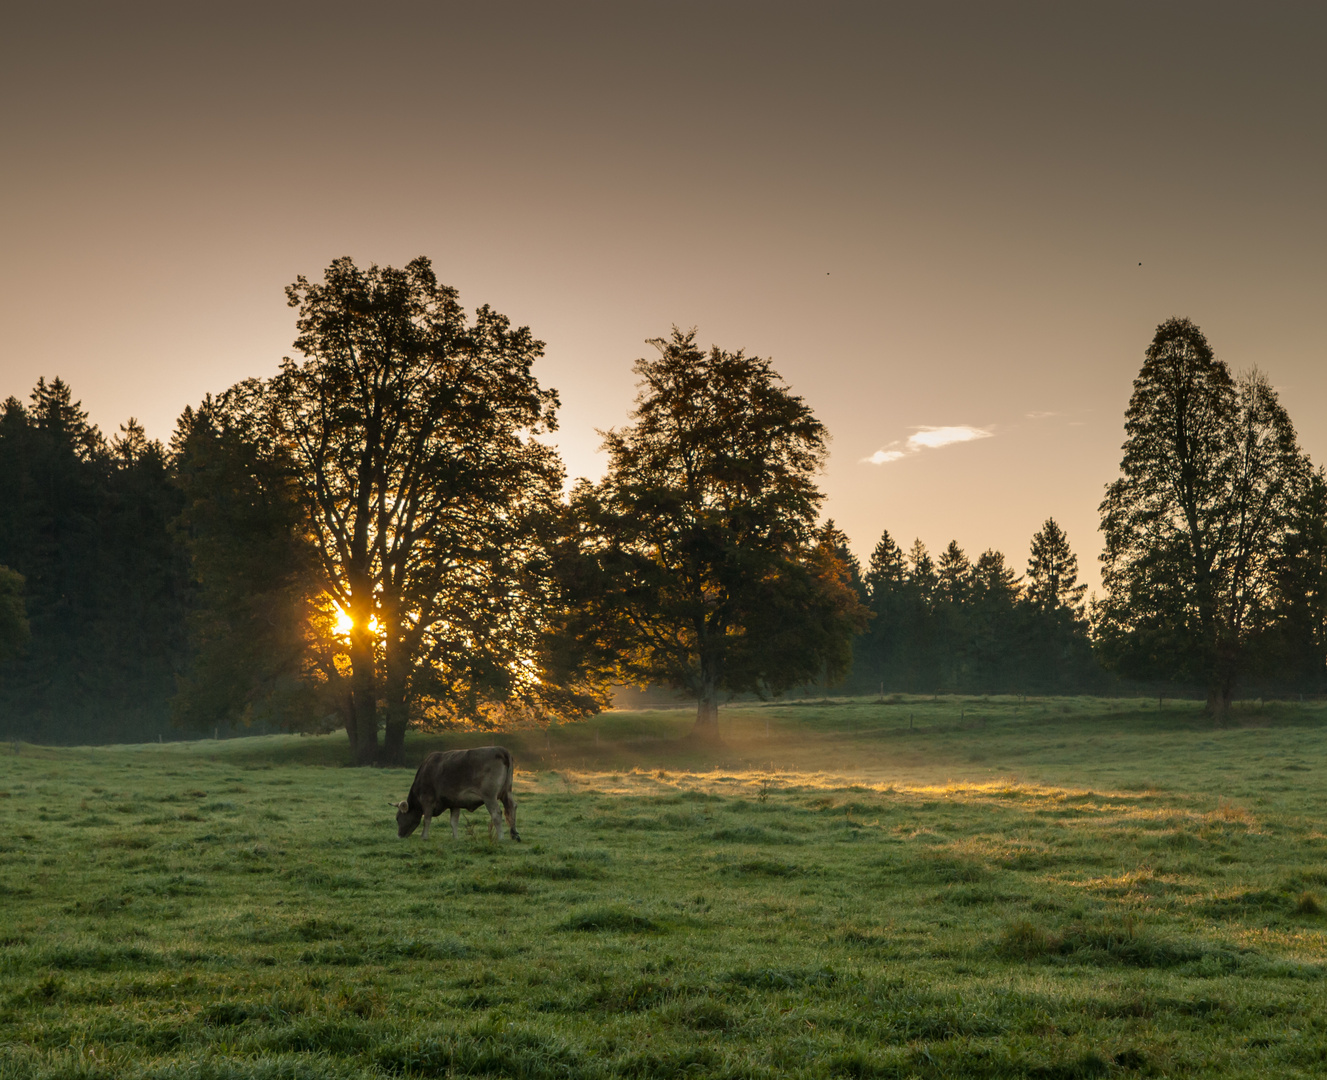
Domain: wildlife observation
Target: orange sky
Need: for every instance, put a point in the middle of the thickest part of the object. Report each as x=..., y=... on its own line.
x=930, y=217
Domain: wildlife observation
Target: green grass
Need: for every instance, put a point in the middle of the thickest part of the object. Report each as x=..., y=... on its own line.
x=1052, y=889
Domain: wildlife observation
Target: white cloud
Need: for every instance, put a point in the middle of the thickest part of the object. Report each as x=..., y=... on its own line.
x=927, y=438
x=932, y=438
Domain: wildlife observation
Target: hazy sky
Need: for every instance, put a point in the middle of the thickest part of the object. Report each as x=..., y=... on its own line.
x=931, y=217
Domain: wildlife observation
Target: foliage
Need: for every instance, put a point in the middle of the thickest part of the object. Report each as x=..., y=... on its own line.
x=709, y=575
x=1078, y=903
x=960, y=626
x=1052, y=577
x=409, y=434
x=258, y=639
x=1289, y=636
x=1210, y=475
x=14, y=628
x=86, y=524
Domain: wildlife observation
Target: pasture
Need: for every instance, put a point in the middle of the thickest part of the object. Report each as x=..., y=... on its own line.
x=927, y=888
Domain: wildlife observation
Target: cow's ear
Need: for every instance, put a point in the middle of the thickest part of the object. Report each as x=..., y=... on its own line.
x=403, y=806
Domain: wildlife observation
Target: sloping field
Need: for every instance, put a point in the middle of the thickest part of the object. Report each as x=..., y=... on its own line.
x=952, y=888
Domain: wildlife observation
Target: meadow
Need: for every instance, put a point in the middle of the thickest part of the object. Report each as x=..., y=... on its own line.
x=911, y=887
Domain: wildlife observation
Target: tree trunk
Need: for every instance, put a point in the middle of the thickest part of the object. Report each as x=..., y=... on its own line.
x=347, y=707
x=393, y=742
x=707, y=694
x=707, y=719
x=363, y=697
x=1218, y=701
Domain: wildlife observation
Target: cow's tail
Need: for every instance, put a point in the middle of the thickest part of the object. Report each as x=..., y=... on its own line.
x=508, y=799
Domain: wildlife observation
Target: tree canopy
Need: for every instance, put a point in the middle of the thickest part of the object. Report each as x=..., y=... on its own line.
x=711, y=575
x=1210, y=476
x=14, y=629
x=410, y=436
x=86, y=524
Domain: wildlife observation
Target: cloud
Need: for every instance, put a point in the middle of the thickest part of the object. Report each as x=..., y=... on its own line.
x=927, y=438
x=931, y=438
x=1040, y=415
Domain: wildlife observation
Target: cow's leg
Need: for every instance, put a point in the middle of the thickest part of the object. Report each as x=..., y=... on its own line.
x=494, y=817
x=509, y=802
x=427, y=818
x=456, y=817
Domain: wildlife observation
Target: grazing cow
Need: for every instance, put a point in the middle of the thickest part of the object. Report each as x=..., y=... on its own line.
x=460, y=780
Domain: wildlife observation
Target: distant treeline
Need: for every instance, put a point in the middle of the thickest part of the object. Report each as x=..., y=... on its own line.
x=89, y=523
x=371, y=540
x=952, y=625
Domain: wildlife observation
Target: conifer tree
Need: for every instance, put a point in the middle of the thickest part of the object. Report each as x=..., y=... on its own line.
x=1052, y=574
x=1210, y=474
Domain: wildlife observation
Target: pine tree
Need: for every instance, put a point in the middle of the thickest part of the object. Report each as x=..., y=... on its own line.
x=991, y=622
x=1210, y=474
x=1052, y=574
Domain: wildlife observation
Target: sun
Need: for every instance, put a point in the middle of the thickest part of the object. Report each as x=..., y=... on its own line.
x=344, y=623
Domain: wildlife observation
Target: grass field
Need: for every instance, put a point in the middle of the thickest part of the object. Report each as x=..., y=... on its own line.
x=956, y=888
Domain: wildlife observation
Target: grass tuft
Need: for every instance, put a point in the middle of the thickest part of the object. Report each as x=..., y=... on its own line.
x=609, y=918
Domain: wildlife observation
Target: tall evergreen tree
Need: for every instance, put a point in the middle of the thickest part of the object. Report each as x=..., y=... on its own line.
x=878, y=652
x=925, y=661
x=1052, y=574
x=991, y=624
x=87, y=524
x=14, y=629
x=1210, y=473
x=1289, y=626
x=950, y=615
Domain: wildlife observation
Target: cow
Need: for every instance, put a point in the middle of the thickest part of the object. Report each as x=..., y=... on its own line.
x=459, y=780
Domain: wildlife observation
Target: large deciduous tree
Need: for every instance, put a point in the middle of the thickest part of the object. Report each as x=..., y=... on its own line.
x=712, y=576
x=1210, y=475
x=411, y=437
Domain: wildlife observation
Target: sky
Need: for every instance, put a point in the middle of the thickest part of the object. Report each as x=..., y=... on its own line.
x=952, y=227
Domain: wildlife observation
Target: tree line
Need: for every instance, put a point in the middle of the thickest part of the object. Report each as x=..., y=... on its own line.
x=951, y=624
x=378, y=537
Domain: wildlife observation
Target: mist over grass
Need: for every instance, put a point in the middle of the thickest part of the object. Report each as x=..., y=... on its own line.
x=914, y=887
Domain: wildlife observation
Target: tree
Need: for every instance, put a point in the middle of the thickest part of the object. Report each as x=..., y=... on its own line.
x=712, y=578
x=1052, y=575
x=1289, y=630
x=990, y=622
x=87, y=525
x=1211, y=470
x=259, y=642
x=411, y=436
x=949, y=614
x=879, y=651
x=14, y=629
x=1055, y=649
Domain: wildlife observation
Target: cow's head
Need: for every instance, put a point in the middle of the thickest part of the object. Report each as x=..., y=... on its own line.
x=407, y=820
